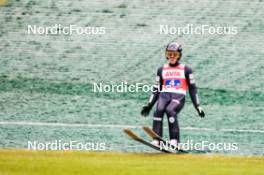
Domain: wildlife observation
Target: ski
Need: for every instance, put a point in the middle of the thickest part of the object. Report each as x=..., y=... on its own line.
x=137, y=138
x=155, y=136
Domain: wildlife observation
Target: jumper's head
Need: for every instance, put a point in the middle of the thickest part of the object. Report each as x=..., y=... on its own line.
x=173, y=52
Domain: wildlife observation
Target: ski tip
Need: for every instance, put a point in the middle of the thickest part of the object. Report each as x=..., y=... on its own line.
x=130, y=133
x=150, y=132
x=127, y=131
x=146, y=127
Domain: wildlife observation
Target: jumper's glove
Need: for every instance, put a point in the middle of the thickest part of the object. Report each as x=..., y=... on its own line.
x=145, y=110
x=200, y=112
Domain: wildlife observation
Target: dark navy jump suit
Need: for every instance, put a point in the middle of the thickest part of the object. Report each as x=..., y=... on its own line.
x=172, y=82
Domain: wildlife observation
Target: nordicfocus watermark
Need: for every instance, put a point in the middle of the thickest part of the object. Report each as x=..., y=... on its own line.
x=122, y=87
x=200, y=146
x=190, y=29
x=70, y=145
x=59, y=29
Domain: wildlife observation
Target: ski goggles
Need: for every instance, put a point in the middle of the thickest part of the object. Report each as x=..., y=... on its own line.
x=172, y=54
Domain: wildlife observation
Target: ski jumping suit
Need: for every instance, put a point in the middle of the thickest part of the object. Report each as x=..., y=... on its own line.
x=172, y=83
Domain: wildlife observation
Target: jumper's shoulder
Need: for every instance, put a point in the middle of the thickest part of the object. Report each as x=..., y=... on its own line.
x=188, y=70
x=159, y=71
